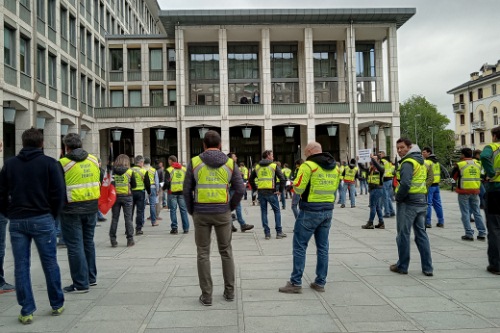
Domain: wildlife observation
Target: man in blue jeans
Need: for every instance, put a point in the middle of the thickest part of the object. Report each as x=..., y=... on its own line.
x=434, y=196
x=316, y=182
x=266, y=171
x=154, y=182
x=4, y=286
x=411, y=203
x=239, y=216
x=174, y=184
x=388, y=178
x=31, y=214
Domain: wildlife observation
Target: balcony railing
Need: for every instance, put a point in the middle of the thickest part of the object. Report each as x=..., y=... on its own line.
x=171, y=75
x=132, y=112
x=288, y=109
x=26, y=82
x=459, y=107
x=134, y=76
x=156, y=75
x=41, y=88
x=52, y=94
x=375, y=107
x=330, y=108
x=478, y=125
x=10, y=75
x=246, y=110
x=116, y=76
x=40, y=26
x=202, y=110
x=24, y=13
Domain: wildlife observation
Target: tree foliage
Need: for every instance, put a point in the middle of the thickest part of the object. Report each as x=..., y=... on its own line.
x=423, y=124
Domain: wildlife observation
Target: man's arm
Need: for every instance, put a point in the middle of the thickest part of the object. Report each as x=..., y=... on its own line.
x=406, y=175
x=430, y=176
x=188, y=189
x=282, y=179
x=253, y=175
x=238, y=187
x=487, y=162
x=147, y=183
x=302, y=179
x=57, y=188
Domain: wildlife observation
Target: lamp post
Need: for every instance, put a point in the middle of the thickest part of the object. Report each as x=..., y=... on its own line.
x=432, y=138
x=415, y=120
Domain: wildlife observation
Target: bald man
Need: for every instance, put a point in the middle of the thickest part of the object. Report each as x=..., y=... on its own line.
x=316, y=182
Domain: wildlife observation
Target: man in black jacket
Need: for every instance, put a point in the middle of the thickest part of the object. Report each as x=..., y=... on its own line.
x=31, y=195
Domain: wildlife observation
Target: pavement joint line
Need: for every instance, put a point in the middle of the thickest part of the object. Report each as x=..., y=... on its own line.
x=175, y=246
x=259, y=245
x=154, y=308
x=357, y=240
x=239, y=301
x=386, y=299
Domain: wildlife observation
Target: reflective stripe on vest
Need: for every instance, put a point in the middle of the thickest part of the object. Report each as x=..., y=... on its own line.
x=122, y=183
x=388, y=169
x=212, y=183
x=418, y=178
x=374, y=178
x=139, y=174
x=177, y=177
x=322, y=183
x=350, y=174
x=470, y=175
x=82, y=179
x=266, y=176
x=496, y=161
x=151, y=174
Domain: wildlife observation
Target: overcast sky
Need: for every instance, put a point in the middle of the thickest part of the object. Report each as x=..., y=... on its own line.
x=438, y=47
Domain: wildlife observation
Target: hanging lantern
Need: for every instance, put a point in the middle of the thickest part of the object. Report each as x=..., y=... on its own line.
x=64, y=129
x=289, y=131
x=332, y=130
x=246, y=132
x=40, y=123
x=116, y=134
x=202, y=132
x=9, y=115
x=160, y=134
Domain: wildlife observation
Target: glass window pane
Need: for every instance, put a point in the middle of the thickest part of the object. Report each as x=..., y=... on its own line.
x=116, y=59
x=155, y=59
x=134, y=59
x=134, y=97
x=117, y=98
x=9, y=46
x=156, y=97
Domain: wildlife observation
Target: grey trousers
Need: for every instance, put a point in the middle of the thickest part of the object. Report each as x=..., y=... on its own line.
x=221, y=223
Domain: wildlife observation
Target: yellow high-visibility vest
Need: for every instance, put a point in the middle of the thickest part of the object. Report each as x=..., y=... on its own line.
x=266, y=176
x=470, y=175
x=350, y=174
x=418, y=178
x=139, y=174
x=323, y=183
x=82, y=179
x=212, y=184
x=177, y=177
x=122, y=183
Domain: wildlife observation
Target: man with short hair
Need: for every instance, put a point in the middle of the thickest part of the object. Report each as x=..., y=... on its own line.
x=79, y=215
x=174, y=184
x=209, y=178
x=154, y=186
x=490, y=160
x=316, y=182
x=266, y=171
x=139, y=193
x=388, y=179
x=239, y=216
x=433, y=196
x=411, y=204
x=31, y=196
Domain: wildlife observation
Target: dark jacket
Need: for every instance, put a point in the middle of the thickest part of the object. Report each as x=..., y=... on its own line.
x=380, y=168
x=213, y=159
x=406, y=174
x=281, y=180
x=120, y=171
x=168, y=179
x=31, y=184
x=82, y=207
x=326, y=162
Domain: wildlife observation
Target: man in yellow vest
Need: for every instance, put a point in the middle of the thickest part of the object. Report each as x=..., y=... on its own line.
x=154, y=182
x=411, y=203
x=467, y=174
x=287, y=172
x=375, y=181
x=139, y=192
x=266, y=171
x=387, y=178
x=209, y=178
x=244, y=175
x=490, y=160
x=79, y=215
x=174, y=184
x=316, y=182
x=434, y=196
x=350, y=174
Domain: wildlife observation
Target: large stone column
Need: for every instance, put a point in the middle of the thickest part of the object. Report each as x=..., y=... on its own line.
x=224, y=89
x=309, y=83
x=352, y=90
x=138, y=142
x=341, y=71
x=265, y=90
x=182, y=98
x=392, y=63
x=379, y=71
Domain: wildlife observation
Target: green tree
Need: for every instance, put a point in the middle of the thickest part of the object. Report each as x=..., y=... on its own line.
x=423, y=124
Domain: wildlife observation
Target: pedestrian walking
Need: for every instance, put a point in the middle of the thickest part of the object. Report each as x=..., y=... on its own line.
x=139, y=193
x=154, y=182
x=376, y=186
x=434, y=195
x=174, y=184
x=4, y=286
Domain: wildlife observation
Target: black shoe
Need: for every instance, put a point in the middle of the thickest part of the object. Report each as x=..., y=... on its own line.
x=228, y=297
x=368, y=225
x=392, y=215
x=246, y=227
x=353, y=206
x=492, y=270
x=139, y=232
x=233, y=228
x=380, y=225
x=114, y=243
x=428, y=226
x=101, y=219
x=481, y=238
x=342, y=206
x=72, y=290
x=387, y=215
x=280, y=235
x=130, y=242
x=440, y=225
x=428, y=273
x=174, y=232
x=468, y=238
x=394, y=268
x=205, y=301
x=185, y=232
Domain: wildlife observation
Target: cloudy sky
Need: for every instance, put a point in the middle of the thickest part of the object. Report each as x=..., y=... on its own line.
x=438, y=48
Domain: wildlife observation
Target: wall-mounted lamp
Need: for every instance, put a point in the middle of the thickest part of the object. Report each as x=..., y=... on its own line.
x=9, y=114
x=387, y=131
x=40, y=123
x=160, y=134
x=289, y=131
x=374, y=128
x=203, y=131
x=116, y=134
x=64, y=129
x=246, y=132
x=332, y=130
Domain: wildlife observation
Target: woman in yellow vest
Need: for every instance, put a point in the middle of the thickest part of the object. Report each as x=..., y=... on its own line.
x=124, y=181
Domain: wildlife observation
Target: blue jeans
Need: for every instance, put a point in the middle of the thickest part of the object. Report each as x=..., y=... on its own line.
x=434, y=199
x=164, y=199
x=295, y=204
x=59, y=232
x=78, y=231
x=409, y=216
x=140, y=203
x=3, y=235
x=363, y=184
x=307, y=224
x=239, y=215
x=273, y=201
x=387, y=200
x=469, y=204
x=341, y=192
x=175, y=200
x=41, y=229
x=153, y=198
x=376, y=195
x=283, y=199
x=351, y=187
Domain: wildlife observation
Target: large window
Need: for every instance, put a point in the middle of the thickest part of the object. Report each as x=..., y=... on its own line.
x=72, y=30
x=89, y=45
x=64, y=22
x=365, y=72
x=72, y=82
x=204, y=74
x=64, y=77
x=89, y=91
x=171, y=58
x=155, y=59
x=40, y=9
x=156, y=97
x=25, y=3
x=51, y=18
x=243, y=61
x=9, y=48
x=116, y=59
x=52, y=70
x=134, y=59
x=134, y=98
x=284, y=73
x=462, y=119
x=325, y=73
x=40, y=65
x=82, y=39
x=117, y=98
x=493, y=89
x=97, y=53
x=480, y=93
x=24, y=55
x=83, y=88
x=285, y=92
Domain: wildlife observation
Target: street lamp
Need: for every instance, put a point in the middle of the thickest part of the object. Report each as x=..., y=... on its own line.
x=432, y=138
x=415, y=120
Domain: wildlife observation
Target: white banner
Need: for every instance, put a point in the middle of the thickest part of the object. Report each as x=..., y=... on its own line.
x=364, y=155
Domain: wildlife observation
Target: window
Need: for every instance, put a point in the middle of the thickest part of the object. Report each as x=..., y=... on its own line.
x=24, y=55
x=480, y=93
x=495, y=120
x=97, y=96
x=134, y=98
x=461, y=98
x=103, y=55
x=284, y=61
x=9, y=48
x=89, y=45
x=40, y=69
x=462, y=119
x=64, y=22
x=325, y=60
x=493, y=89
x=481, y=115
x=481, y=137
x=462, y=140
x=365, y=59
x=156, y=97
x=171, y=58
x=64, y=77
x=83, y=86
x=116, y=59
x=243, y=61
x=72, y=82
x=103, y=97
x=51, y=11
x=471, y=96
x=72, y=30
x=82, y=39
x=52, y=70
x=471, y=116
x=25, y=3
x=97, y=53
x=172, y=97
x=89, y=91
x=155, y=59
x=134, y=59
x=472, y=138
x=495, y=110
x=40, y=9
x=116, y=98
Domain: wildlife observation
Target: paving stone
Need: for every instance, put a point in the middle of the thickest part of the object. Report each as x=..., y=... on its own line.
x=292, y=324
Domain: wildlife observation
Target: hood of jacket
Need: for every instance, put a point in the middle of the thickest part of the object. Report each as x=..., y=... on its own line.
x=324, y=160
x=433, y=158
x=414, y=153
x=214, y=158
x=120, y=170
x=77, y=155
x=177, y=165
x=29, y=153
x=265, y=162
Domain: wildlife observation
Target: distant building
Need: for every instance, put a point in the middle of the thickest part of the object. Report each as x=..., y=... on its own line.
x=476, y=104
x=151, y=82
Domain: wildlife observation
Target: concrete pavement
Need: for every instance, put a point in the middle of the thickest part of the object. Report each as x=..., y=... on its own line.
x=153, y=286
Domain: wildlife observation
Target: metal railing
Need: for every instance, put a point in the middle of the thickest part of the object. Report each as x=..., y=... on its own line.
x=375, y=107
x=478, y=125
x=26, y=82
x=116, y=76
x=134, y=76
x=171, y=75
x=24, y=13
x=458, y=107
x=246, y=110
x=288, y=109
x=330, y=108
x=156, y=75
x=10, y=75
x=41, y=88
x=202, y=110
x=132, y=112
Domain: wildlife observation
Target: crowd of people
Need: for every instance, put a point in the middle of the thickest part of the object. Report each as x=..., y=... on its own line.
x=210, y=188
